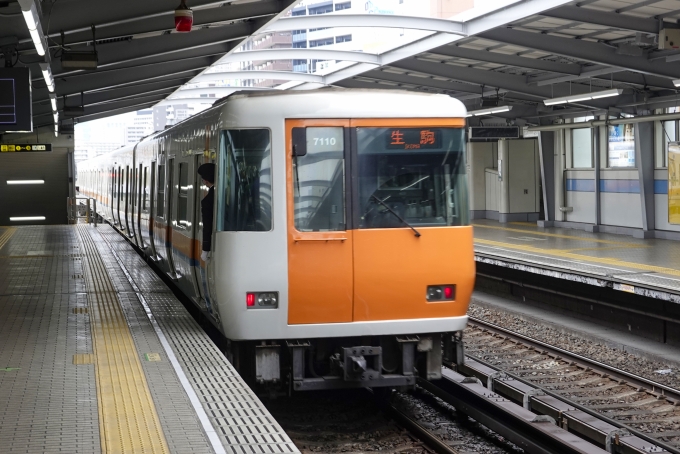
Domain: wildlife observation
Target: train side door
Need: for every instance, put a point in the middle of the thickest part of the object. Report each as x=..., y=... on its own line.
x=161, y=221
x=133, y=204
x=320, y=267
x=141, y=189
x=172, y=190
x=200, y=191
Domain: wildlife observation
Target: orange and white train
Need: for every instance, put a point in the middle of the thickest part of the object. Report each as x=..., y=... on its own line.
x=342, y=254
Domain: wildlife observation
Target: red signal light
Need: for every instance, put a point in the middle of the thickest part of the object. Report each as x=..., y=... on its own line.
x=184, y=18
x=448, y=292
x=250, y=299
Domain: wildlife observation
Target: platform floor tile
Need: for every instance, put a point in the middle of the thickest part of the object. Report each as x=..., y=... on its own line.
x=47, y=403
x=603, y=257
x=62, y=285
x=239, y=418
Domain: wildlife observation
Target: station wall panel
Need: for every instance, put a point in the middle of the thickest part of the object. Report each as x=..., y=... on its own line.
x=523, y=174
x=584, y=207
x=47, y=199
x=621, y=209
x=492, y=190
x=483, y=155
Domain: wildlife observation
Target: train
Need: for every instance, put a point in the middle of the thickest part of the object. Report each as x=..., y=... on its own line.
x=342, y=251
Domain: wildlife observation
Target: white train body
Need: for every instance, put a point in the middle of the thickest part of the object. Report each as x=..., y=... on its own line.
x=151, y=193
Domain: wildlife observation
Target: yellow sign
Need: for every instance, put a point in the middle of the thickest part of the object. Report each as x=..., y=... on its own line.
x=25, y=147
x=674, y=183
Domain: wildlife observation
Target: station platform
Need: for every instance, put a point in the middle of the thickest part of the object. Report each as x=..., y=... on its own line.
x=649, y=267
x=97, y=355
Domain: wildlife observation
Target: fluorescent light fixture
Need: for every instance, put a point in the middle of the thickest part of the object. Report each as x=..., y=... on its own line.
x=53, y=100
x=56, y=134
x=28, y=9
x=584, y=97
x=25, y=181
x=676, y=82
x=56, y=117
x=489, y=111
x=27, y=218
x=47, y=75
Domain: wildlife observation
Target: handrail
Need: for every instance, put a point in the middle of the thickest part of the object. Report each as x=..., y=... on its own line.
x=73, y=209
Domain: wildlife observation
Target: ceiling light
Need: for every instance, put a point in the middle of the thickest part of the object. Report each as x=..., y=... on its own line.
x=583, y=97
x=676, y=82
x=53, y=100
x=25, y=181
x=606, y=93
x=47, y=75
x=492, y=110
x=26, y=218
x=28, y=9
x=56, y=117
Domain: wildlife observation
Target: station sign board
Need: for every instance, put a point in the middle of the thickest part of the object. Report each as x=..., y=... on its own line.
x=24, y=147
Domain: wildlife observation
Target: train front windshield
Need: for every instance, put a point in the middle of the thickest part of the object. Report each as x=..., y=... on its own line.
x=416, y=174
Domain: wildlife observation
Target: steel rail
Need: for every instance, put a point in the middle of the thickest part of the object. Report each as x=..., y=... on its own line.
x=596, y=366
x=533, y=433
x=431, y=440
x=427, y=437
x=595, y=414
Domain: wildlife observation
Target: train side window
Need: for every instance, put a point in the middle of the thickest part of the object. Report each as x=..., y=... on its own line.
x=160, y=194
x=113, y=183
x=244, y=181
x=145, y=192
x=319, y=179
x=121, y=189
x=183, y=195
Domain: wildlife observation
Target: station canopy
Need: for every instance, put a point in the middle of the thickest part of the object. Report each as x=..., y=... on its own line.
x=529, y=61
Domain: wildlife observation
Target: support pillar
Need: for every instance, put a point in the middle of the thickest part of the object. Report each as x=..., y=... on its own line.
x=546, y=148
x=644, y=158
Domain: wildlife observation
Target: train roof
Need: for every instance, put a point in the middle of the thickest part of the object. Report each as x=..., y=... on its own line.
x=333, y=103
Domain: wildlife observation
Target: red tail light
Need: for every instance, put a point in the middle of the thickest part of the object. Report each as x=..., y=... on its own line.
x=250, y=299
x=437, y=293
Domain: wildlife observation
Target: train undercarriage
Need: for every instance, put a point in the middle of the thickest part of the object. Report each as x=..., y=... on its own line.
x=353, y=362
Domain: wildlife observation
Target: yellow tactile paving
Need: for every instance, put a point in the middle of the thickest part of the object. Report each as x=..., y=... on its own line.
x=127, y=415
x=556, y=235
x=4, y=238
x=583, y=258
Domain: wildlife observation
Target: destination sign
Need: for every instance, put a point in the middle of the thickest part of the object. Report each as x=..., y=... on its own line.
x=13, y=148
x=413, y=139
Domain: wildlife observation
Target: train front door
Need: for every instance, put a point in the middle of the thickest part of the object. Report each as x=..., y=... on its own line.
x=320, y=268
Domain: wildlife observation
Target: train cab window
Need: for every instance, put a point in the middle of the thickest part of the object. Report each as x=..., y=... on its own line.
x=244, y=181
x=416, y=174
x=319, y=179
x=160, y=195
x=183, y=196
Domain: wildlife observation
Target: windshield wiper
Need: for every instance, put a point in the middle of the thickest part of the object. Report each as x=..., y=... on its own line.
x=416, y=233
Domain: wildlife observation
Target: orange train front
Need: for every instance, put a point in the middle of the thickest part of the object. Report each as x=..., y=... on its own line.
x=342, y=252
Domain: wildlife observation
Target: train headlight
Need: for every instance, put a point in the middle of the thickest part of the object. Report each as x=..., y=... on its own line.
x=262, y=300
x=446, y=292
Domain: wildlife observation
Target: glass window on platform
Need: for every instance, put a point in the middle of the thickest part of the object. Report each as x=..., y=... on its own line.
x=582, y=148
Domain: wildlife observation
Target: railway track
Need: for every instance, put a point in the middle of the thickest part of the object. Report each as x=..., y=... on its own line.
x=356, y=422
x=531, y=372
